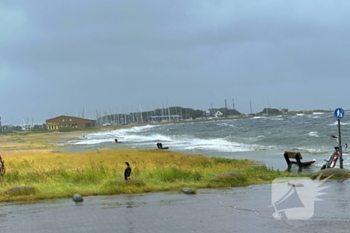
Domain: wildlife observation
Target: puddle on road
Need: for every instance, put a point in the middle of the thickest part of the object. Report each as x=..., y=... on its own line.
x=139, y=200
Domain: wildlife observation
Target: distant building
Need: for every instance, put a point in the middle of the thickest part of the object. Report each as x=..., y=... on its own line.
x=69, y=122
x=284, y=110
x=218, y=114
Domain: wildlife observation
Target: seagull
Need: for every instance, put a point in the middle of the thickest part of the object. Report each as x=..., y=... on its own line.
x=127, y=171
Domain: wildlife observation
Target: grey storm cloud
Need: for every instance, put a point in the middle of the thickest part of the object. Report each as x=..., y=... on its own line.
x=59, y=56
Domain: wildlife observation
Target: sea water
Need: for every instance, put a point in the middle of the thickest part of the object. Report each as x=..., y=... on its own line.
x=262, y=138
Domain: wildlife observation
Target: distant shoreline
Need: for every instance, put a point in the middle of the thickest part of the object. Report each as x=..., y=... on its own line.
x=123, y=126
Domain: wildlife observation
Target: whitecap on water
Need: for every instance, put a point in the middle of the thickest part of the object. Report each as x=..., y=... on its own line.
x=276, y=118
x=341, y=123
x=313, y=134
x=214, y=144
x=259, y=117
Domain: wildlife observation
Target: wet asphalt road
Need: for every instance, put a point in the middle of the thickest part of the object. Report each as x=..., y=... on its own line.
x=245, y=209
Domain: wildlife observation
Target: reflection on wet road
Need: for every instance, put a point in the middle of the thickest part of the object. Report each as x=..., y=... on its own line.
x=245, y=209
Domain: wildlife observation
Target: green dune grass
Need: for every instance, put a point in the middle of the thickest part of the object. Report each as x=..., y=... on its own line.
x=61, y=174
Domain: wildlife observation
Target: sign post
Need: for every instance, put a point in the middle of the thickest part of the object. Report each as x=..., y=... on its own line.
x=339, y=113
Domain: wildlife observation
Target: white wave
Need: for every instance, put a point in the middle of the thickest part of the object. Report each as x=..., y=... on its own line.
x=222, y=124
x=341, y=123
x=311, y=150
x=226, y=136
x=216, y=144
x=90, y=142
x=146, y=138
x=318, y=113
x=313, y=116
x=133, y=134
x=137, y=129
x=180, y=142
x=130, y=138
x=185, y=143
x=276, y=118
x=313, y=134
x=300, y=114
x=225, y=124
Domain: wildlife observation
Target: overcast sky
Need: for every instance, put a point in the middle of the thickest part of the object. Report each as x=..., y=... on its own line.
x=110, y=56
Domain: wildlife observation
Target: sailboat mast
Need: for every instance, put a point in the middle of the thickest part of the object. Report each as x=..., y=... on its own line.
x=141, y=114
x=251, y=111
x=168, y=111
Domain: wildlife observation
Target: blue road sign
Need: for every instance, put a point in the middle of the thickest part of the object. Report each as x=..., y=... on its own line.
x=339, y=113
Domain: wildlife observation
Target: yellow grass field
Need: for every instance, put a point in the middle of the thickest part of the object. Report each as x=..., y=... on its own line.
x=32, y=161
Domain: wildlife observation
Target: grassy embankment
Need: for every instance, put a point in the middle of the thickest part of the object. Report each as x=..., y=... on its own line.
x=31, y=161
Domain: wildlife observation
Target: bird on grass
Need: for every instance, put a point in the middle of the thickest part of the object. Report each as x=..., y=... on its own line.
x=127, y=171
x=2, y=167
